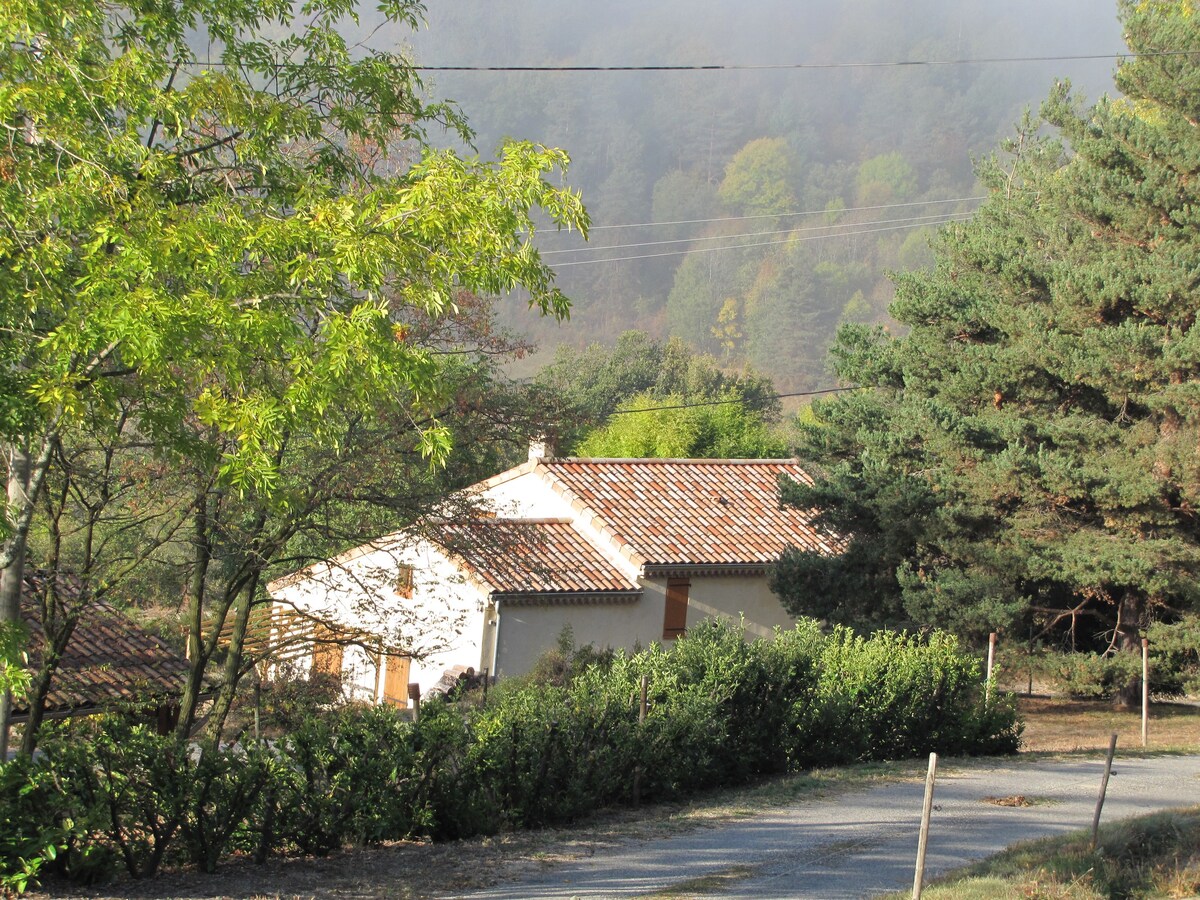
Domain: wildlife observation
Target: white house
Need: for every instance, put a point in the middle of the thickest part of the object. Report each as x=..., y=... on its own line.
x=624, y=551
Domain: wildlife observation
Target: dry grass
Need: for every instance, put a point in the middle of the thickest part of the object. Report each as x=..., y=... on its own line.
x=1065, y=726
x=1156, y=856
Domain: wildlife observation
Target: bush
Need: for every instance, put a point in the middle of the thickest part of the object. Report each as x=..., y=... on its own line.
x=721, y=711
x=1175, y=657
x=31, y=835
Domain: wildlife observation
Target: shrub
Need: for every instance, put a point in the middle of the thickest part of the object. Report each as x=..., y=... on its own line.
x=721, y=711
x=31, y=834
x=345, y=778
x=1175, y=657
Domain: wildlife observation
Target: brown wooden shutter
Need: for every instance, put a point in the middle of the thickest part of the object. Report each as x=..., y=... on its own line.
x=675, y=614
x=327, y=656
x=404, y=582
x=395, y=680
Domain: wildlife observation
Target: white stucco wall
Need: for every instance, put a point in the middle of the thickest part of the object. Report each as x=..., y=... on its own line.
x=441, y=625
x=732, y=596
x=526, y=496
x=526, y=632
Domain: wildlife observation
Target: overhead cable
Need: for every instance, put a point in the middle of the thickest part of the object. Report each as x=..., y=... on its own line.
x=730, y=67
x=745, y=67
x=807, y=212
x=940, y=217
x=950, y=217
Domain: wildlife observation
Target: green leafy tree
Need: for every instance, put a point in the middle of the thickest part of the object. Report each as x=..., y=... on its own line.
x=244, y=237
x=759, y=178
x=1027, y=451
x=650, y=425
x=593, y=383
x=887, y=178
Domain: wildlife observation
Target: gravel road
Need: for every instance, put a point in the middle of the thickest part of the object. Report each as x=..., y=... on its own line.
x=864, y=843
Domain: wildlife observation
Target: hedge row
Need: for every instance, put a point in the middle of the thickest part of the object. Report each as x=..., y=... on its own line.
x=722, y=711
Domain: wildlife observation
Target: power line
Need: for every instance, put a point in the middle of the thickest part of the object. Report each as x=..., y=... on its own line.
x=814, y=393
x=807, y=212
x=718, y=237
x=745, y=67
x=732, y=67
x=950, y=217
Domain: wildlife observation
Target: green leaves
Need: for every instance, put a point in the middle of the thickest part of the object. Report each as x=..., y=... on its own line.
x=224, y=236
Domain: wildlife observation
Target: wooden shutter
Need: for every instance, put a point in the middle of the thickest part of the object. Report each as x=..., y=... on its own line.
x=404, y=582
x=327, y=656
x=395, y=680
x=675, y=614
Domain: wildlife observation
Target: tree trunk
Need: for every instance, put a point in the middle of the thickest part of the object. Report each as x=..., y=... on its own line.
x=12, y=576
x=197, y=652
x=232, y=669
x=38, y=691
x=1129, y=640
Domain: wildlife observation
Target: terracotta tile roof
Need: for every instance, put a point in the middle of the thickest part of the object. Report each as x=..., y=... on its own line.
x=690, y=511
x=107, y=660
x=526, y=556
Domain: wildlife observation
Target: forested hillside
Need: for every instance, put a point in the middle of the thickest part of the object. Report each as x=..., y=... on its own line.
x=876, y=152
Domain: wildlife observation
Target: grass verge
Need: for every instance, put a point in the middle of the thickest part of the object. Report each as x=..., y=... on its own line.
x=1155, y=856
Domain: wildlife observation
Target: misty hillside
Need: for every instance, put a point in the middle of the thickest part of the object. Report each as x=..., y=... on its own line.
x=820, y=179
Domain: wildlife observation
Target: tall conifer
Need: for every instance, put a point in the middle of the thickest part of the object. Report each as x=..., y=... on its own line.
x=1027, y=453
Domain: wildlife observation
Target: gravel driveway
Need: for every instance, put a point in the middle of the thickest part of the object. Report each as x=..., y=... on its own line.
x=864, y=843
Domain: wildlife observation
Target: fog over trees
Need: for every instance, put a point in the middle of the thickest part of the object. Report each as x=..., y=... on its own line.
x=761, y=149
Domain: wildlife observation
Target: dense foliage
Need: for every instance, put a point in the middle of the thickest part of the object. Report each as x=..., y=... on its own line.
x=642, y=397
x=1026, y=454
x=233, y=274
x=722, y=711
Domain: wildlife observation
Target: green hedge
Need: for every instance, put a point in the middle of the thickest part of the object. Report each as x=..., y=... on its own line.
x=722, y=711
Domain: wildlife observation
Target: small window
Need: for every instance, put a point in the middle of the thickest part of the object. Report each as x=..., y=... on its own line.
x=675, y=613
x=404, y=582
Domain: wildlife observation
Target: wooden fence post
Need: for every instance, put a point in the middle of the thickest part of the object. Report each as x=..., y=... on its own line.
x=1145, y=690
x=987, y=691
x=923, y=841
x=1112, y=748
x=414, y=697
x=637, y=773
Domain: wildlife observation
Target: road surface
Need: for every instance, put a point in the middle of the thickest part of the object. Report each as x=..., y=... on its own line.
x=864, y=843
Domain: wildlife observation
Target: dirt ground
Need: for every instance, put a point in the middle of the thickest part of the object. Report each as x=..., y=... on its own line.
x=416, y=871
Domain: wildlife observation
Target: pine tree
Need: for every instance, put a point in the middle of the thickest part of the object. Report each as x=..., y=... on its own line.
x=1027, y=452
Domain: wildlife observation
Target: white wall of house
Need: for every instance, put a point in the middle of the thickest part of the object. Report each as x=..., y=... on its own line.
x=729, y=596
x=526, y=496
x=440, y=625
x=528, y=631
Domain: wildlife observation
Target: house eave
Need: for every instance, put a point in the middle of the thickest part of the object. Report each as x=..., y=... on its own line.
x=707, y=570
x=567, y=598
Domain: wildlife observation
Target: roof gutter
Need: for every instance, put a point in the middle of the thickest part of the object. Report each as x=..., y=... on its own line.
x=562, y=598
x=717, y=570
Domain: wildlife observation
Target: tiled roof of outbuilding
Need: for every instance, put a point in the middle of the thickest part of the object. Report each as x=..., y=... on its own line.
x=691, y=511
x=531, y=556
x=107, y=660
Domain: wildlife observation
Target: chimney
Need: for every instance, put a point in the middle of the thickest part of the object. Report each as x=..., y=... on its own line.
x=540, y=447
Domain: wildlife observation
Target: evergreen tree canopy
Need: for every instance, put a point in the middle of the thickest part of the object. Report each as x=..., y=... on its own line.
x=1027, y=452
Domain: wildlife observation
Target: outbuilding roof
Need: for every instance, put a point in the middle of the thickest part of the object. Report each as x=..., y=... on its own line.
x=108, y=659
